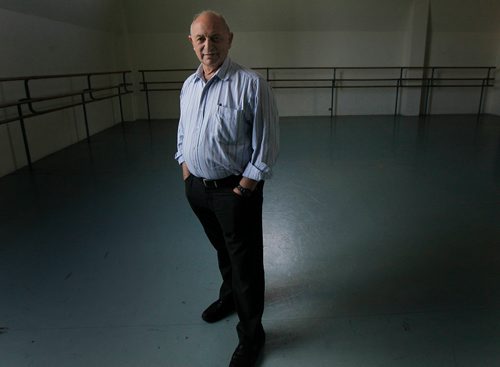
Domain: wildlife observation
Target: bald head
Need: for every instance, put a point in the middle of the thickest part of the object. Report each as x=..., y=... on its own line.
x=211, y=16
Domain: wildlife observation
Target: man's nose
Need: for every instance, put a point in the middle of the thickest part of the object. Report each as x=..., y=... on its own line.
x=208, y=43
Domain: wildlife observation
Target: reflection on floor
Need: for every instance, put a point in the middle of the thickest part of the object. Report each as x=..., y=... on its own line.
x=382, y=249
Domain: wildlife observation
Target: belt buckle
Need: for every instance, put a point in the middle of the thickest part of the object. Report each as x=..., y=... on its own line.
x=207, y=183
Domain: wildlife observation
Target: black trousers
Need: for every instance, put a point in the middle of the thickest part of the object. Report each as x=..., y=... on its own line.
x=233, y=224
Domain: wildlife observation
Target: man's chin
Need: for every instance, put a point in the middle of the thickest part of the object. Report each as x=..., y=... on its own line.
x=212, y=63
x=210, y=60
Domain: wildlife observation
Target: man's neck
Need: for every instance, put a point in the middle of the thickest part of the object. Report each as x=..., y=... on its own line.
x=209, y=72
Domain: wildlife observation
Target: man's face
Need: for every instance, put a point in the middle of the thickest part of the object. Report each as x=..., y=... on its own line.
x=211, y=41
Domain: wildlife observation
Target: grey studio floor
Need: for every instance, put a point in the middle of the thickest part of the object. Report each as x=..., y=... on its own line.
x=382, y=248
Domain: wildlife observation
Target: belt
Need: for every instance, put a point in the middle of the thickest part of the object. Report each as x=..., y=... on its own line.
x=231, y=181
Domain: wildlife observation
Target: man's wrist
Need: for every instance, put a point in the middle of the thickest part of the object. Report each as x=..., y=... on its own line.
x=248, y=183
x=185, y=171
x=245, y=192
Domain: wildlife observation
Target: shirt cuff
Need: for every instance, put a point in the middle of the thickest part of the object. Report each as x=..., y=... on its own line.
x=179, y=158
x=257, y=173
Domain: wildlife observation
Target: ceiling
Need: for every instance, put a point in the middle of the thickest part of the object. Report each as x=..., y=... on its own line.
x=96, y=14
x=159, y=16
x=275, y=15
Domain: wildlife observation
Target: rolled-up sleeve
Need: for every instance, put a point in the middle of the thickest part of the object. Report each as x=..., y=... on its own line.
x=179, y=156
x=265, y=133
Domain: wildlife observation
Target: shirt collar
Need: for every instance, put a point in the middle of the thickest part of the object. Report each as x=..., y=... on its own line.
x=222, y=73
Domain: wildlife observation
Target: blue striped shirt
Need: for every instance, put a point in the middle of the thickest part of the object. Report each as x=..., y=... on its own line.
x=228, y=125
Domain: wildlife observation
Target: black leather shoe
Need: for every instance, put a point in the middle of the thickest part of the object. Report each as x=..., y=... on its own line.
x=218, y=310
x=246, y=355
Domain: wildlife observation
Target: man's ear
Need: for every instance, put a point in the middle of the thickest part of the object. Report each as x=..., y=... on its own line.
x=190, y=39
x=230, y=39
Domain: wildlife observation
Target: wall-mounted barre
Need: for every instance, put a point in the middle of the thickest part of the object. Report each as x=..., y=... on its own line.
x=88, y=92
x=397, y=78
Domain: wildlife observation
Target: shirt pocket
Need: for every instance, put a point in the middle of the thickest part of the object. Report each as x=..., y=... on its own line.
x=231, y=127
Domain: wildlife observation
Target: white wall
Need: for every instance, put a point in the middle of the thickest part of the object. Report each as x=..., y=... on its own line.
x=465, y=35
x=464, y=49
x=258, y=49
x=279, y=34
x=493, y=101
x=34, y=45
x=329, y=33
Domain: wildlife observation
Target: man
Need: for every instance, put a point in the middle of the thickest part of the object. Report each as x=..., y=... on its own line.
x=227, y=144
